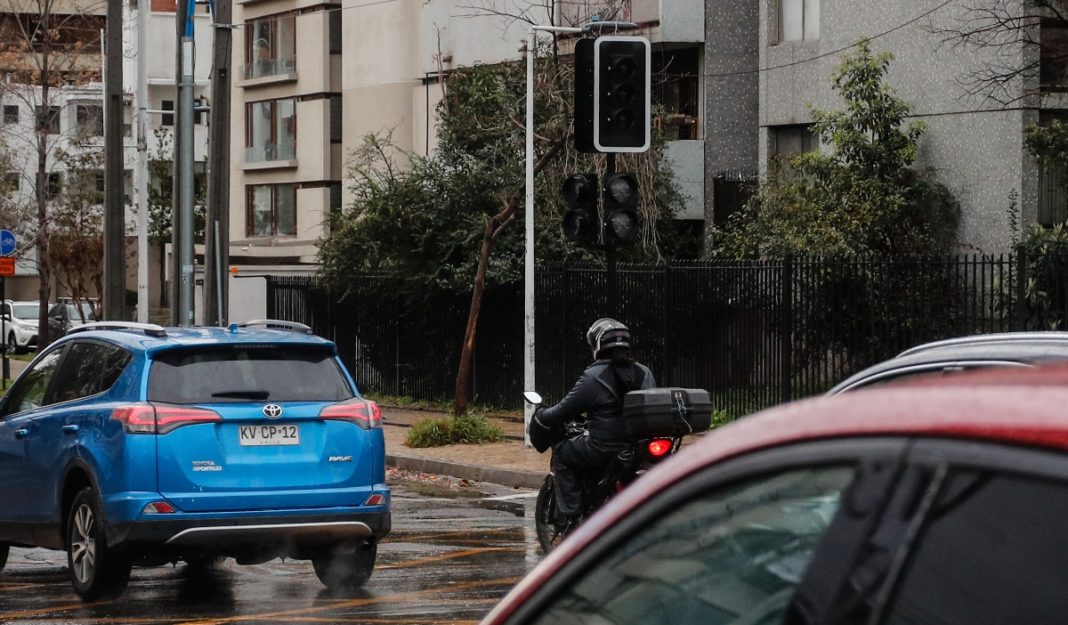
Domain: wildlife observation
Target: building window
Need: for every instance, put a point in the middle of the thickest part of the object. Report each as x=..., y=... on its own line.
x=799, y=20
x=89, y=119
x=1052, y=181
x=270, y=130
x=48, y=119
x=167, y=119
x=791, y=140
x=54, y=186
x=335, y=119
x=676, y=88
x=1053, y=61
x=271, y=210
x=334, y=17
x=270, y=47
x=335, y=198
x=11, y=113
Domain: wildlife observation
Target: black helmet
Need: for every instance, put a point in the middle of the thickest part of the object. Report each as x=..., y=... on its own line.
x=606, y=333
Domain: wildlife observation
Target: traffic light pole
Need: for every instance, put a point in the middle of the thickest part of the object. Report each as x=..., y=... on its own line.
x=610, y=249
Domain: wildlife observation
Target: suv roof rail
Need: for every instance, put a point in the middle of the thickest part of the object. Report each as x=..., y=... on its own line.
x=150, y=329
x=274, y=324
x=987, y=339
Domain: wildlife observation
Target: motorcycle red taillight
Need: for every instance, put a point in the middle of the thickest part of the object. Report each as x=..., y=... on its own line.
x=363, y=412
x=659, y=447
x=160, y=419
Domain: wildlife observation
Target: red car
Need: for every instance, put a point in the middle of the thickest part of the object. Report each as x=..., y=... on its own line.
x=932, y=502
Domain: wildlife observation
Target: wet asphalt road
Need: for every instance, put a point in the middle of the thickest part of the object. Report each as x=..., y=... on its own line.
x=448, y=561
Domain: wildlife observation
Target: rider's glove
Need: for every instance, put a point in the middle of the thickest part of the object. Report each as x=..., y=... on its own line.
x=542, y=437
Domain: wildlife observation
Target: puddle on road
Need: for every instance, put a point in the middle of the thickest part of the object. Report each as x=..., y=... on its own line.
x=445, y=491
x=511, y=507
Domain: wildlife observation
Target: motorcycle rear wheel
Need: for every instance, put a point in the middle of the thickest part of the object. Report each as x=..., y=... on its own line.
x=545, y=516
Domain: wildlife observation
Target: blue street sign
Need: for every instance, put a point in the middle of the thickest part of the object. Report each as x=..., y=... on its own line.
x=7, y=243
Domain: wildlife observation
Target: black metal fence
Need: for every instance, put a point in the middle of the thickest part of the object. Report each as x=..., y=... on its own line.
x=752, y=332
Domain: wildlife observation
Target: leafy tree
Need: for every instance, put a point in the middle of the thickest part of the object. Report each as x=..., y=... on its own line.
x=76, y=239
x=862, y=195
x=442, y=222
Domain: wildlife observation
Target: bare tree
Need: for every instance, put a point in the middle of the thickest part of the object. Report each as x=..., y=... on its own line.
x=47, y=48
x=76, y=228
x=1024, y=46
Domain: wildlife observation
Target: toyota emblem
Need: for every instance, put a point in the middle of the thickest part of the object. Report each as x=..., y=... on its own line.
x=272, y=411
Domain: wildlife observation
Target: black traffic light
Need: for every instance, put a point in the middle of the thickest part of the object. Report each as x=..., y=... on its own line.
x=584, y=96
x=620, y=194
x=580, y=220
x=621, y=94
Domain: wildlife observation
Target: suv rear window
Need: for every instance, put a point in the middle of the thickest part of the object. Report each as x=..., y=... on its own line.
x=246, y=373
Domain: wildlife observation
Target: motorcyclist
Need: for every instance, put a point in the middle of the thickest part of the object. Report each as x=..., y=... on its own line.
x=599, y=393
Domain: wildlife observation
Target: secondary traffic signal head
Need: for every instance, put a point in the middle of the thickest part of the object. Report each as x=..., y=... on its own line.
x=621, y=94
x=580, y=220
x=620, y=208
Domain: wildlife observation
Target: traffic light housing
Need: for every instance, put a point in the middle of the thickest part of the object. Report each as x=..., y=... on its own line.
x=580, y=220
x=620, y=194
x=621, y=87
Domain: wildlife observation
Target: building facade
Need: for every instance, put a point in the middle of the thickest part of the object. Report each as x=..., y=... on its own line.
x=320, y=78
x=763, y=95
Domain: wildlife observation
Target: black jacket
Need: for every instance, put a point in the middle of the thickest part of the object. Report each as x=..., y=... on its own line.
x=599, y=393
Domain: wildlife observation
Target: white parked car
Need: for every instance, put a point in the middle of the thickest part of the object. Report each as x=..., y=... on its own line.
x=20, y=325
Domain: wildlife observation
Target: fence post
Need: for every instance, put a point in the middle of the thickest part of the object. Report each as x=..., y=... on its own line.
x=1021, y=290
x=786, y=321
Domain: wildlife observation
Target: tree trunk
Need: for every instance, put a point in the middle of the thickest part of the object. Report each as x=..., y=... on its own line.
x=494, y=227
x=463, y=374
x=44, y=269
x=162, y=275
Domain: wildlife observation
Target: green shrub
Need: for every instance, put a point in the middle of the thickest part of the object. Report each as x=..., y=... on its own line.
x=469, y=429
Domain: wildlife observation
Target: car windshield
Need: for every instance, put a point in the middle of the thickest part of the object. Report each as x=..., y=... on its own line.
x=87, y=310
x=246, y=373
x=25, y=311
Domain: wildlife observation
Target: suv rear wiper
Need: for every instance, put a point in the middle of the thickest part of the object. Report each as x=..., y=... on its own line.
x=247, y=394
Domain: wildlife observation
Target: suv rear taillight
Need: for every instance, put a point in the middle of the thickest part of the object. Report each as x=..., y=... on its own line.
x=160, y=419
x=363, y=412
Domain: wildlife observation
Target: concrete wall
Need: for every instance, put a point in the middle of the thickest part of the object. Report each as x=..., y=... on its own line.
x=732, y=97
x=974, y=145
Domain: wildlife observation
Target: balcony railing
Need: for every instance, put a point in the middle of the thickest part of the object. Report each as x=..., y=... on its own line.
x=271, y=152
x=270, y=67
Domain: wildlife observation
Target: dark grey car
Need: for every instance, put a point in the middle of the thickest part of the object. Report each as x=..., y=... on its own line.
x=1010, y=349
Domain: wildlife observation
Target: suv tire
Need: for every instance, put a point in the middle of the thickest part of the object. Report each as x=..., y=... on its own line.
x=4, y=548
x=345, y=568
x=13, y=344
x=95, y=568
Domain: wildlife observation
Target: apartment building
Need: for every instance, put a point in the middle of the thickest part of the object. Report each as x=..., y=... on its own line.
x=318, y=78
x=286, y=140
x=72, y=114
x=762, y=88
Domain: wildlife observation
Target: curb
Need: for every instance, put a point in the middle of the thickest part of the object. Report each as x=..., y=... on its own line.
x=505, y=477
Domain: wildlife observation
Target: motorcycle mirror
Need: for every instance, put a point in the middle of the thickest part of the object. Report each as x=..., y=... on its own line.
x=532, y=397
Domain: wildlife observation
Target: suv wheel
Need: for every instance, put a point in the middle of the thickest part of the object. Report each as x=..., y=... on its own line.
x=346, y=568
x=95, y=568
x=12, y=344
x=3, y=555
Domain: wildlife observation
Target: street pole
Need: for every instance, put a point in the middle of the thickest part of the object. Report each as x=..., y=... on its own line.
x=176, y=181
x=142, y=162
x=529, y=378
x=217, y=235
x=114, y=208
x=185, y=172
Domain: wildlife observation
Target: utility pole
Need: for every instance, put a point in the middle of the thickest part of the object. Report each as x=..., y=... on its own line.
x=176, y=186
x=217, y=227
x=142, y=162
x=114, y=210
x=182, y=241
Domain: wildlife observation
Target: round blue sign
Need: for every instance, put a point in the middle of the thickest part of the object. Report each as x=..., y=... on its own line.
x=7, y=243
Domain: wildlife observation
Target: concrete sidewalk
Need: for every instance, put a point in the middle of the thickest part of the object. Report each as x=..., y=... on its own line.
x=507, y=463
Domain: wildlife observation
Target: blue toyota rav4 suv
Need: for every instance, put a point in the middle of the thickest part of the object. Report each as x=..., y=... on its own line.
x=130, y=444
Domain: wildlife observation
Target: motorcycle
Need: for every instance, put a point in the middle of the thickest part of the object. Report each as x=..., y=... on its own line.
x=597, y=487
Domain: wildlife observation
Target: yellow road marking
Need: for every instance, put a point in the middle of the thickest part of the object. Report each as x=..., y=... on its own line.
x=445, y=556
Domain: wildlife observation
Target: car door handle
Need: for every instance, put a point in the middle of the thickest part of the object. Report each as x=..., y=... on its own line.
x=70, y=429
x=23, y=433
